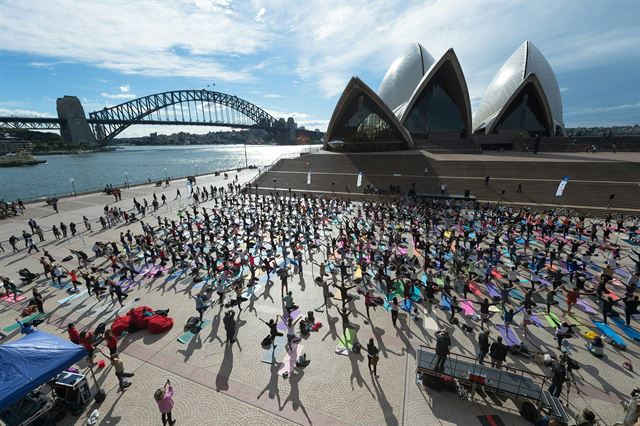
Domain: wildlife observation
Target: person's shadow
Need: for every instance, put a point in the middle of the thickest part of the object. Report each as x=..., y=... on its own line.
x=272, y=386
x=222, y=378
x=294, y=392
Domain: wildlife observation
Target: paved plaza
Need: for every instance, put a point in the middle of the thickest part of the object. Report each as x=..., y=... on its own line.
x=226, y=384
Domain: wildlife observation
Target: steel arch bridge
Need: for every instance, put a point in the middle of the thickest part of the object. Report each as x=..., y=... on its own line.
x=183, y=107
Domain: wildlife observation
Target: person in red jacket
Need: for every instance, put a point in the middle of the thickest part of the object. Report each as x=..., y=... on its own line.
x=74, y=336
x=86, y=340
x=112, y=342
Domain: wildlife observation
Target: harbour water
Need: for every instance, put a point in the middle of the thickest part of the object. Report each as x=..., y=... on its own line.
x=133, y=163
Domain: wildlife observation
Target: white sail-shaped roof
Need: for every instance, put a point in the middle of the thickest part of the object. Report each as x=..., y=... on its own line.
x=404, y=74
x=526, y=60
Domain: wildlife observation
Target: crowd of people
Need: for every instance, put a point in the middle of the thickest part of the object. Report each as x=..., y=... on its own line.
x=402, y=255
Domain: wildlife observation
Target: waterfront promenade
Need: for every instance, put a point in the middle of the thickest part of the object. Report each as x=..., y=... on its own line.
x=217, y=384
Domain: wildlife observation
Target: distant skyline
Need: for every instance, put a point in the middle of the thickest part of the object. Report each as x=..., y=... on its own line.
x=293, y=58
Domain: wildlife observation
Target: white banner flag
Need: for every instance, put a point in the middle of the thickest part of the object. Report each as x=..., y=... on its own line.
x=561, y=186
x=309, y=178
x=359, y=181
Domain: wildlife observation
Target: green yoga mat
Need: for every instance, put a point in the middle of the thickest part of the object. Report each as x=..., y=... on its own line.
x=15, y=325
x=553, y=320
x=187, y=336
x=348, y=338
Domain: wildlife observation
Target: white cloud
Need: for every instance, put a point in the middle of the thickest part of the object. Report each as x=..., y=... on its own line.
x=8, y=112
x=602, y=109
x=271, y=95
x=118, y=95
x=155, y=38
x=260, y=16
x=125, y=88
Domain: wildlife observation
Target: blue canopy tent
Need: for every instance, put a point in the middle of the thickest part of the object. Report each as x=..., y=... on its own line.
x=32, y=361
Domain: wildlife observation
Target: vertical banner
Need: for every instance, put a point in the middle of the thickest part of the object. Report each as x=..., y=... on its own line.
x=561, y=186
x=308, y=178
x=359, y=181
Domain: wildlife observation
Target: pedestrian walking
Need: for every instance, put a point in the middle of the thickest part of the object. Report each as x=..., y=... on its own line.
x=229, y=322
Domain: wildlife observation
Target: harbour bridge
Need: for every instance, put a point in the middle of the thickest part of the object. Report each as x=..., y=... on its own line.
x=178, y=107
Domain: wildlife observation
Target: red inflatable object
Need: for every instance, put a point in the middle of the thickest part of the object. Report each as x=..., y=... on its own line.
x=119, y=325
x=159, y=324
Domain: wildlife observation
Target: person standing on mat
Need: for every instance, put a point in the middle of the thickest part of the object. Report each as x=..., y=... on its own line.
x=630, y=307
x=607, y=308
x=164, y=399
x=38, y=300
x=372, y=358
x=273, y=328
x=201, y=304
x=442, y=349
x=291, y=331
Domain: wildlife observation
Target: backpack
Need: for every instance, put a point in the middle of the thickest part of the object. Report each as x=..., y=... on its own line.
x=266, y=341
x=191, y=324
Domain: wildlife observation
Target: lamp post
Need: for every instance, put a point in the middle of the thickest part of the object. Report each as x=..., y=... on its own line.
x=274, y=184
x=73, y=185
x=126, y=180
x=333, y=187
x=196, y=169
x=244, y=139
x=256, y=190
x=165, y=174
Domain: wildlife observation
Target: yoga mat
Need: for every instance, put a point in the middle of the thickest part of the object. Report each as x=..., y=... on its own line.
x=490, y=420
x=187, y=336
x=496, y=274
x=473, y=286
x=610, y=333
x=586, y=307
x=631, y=332
x=272, y=355
x=509, y=336
x=493, y=291
x=444, y=303
x=15, y=325
x=348, y=337
x=467, y=308
x=407, y=305
x=553, y=320
x=430, y=323
x=282, y=324
x=9, y=299
x=536, y=321
x=561, y=301
x=517, y=294
x=290, y=358
x=71, y=297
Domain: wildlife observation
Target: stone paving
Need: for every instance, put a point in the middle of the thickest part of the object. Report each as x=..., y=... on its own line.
x=217, y=384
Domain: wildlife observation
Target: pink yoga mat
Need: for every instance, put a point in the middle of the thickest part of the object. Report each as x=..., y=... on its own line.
x=10, y=298
x=289, y=362
x=467, y=308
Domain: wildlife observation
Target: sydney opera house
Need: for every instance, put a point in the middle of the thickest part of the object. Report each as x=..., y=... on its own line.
x=421, y=99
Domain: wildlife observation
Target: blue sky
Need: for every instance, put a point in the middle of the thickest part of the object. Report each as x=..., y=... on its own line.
x=293, y=58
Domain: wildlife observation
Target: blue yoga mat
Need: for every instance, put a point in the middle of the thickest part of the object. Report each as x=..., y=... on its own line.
x=609, y=332
x=631, y=332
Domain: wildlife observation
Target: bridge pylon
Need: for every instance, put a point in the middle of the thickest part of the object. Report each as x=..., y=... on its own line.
x=74, y=128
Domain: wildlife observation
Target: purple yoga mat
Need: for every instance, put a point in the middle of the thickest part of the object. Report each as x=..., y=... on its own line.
x=282, y=325
x=623, y=272
x=509, y=336
x=536, y=321
x=586, y=307
x=493, y=291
